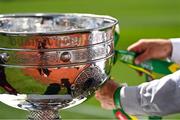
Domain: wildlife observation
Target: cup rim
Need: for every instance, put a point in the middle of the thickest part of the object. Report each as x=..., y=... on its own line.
x=113, y=22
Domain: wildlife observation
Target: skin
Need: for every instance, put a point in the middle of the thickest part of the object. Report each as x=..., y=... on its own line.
x=151, y=49
x=147, y=49
x=105, y=94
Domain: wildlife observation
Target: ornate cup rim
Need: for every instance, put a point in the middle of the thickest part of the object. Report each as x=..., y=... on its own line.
x=112, y=22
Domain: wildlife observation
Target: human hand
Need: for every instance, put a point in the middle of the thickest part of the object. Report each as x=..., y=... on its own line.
x=105, y=95
x=151, y=49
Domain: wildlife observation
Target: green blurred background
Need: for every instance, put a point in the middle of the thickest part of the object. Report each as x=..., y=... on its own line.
x=138, y=19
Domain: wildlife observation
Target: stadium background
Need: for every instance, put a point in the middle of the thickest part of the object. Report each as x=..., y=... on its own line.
x=138, y=19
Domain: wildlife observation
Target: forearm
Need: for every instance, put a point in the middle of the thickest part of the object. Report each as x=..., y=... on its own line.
x=159, y=97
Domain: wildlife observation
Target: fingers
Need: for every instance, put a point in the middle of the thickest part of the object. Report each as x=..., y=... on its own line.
x=105, y=102
x=141, y=48
x=138, y=47
x=107, y=106
x=142, y=57
x=105, y=94
x=97, y=95
x=151, y=49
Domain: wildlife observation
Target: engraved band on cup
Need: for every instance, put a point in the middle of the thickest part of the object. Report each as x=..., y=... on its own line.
x=58, y=57
x=57, y=41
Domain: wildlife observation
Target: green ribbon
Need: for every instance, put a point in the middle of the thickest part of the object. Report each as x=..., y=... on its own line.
x=152, y=68
x=119, y=110
x=157, y=66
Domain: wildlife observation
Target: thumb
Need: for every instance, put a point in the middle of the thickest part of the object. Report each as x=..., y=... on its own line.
x=142, y=57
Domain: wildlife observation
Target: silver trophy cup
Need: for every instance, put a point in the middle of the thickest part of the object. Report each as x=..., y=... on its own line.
x=53, y=61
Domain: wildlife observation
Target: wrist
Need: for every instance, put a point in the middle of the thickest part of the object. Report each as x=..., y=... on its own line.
x=117, y=99
x=119, y=112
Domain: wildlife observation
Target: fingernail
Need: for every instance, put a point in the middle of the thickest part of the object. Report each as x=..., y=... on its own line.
x=137, y=62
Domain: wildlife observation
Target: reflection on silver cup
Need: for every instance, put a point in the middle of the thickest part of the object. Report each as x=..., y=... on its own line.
x=53, y=61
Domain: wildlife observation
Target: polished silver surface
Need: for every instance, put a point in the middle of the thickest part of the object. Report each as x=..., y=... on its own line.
x=28, y=24
x=53, y=61
x=57, y=57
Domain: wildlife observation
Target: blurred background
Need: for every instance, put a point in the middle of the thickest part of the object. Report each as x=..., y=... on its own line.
x=138, y=19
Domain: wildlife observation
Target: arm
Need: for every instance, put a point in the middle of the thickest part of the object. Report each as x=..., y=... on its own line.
x=158, y=97
x=156, y=49
x=151, y=49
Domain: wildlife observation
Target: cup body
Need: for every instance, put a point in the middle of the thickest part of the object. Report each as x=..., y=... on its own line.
x=54, y=60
